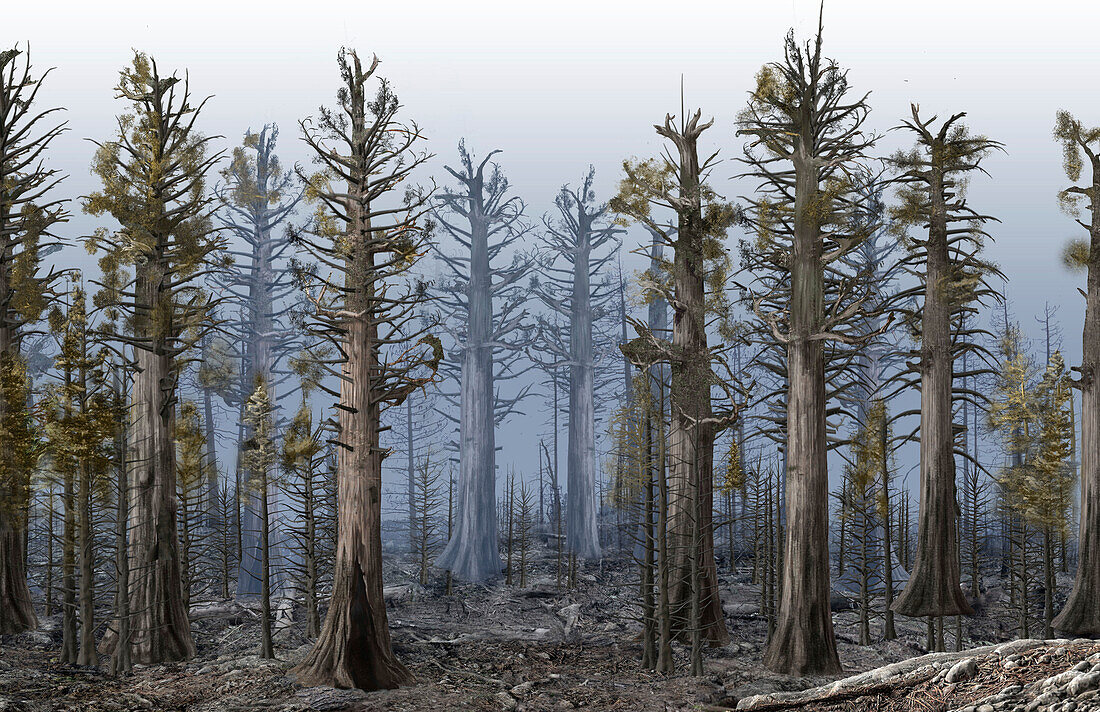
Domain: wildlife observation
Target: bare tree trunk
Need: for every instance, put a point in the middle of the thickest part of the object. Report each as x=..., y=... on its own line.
x=68, y=570
x=888, y=633
x=582, y=533
x=87, y=654
x=266, y=649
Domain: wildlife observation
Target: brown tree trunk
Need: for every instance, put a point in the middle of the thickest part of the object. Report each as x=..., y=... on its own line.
x=691, y=435
x=16, y=609
x=804, y=642
x=1081, y=614
x=354, y=648
x=87, y=653
x=159, y=624
x=934, y=587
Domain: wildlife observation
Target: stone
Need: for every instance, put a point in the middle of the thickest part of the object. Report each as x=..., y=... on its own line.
x=962, y=670
x=1083, y=683
x=506, y=701
x=985, y=708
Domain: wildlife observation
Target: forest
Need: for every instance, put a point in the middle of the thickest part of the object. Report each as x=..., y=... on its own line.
x=796, y=447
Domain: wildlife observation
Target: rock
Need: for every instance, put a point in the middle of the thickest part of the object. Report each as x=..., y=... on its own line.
x=962, y=670
x=522, y=690
x=985, y=708
x=570, y=615
x=1083, y=683
x=506, y=701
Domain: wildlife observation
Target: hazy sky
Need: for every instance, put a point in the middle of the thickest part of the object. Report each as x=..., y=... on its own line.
x=561, y=85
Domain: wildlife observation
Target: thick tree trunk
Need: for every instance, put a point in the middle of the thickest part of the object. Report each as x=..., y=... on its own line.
x=16, y=609
x=159, y=625
x=1081, y=614
x=803, y=642
x=581, y=529
x=472, y=552
x=691, y=435
x=354, y=648
x=934, y=587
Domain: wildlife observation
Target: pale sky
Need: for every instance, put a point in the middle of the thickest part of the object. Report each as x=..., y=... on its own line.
x=561, y=85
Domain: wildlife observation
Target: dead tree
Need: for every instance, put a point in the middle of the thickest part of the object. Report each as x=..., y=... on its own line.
x=573, y=291
x=489, y=333
x=364, y=239
x=28, y=213
x=154, y=175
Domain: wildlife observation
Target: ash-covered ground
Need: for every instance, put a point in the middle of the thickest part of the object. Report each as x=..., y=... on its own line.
x=496, y=647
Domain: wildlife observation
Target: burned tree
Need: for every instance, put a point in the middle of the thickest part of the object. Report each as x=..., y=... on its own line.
x=952, y=279
x=805, y=138
x=574, y=292
x=257, y=199
x=1081, y=614
x=367, y=238
x=154, y=174
x=27, y=215
x=695, y=290
x=489, y=334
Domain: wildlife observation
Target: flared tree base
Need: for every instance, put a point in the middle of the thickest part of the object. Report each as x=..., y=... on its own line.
x=1081, y=615
x=353, y=650
x=800, y=650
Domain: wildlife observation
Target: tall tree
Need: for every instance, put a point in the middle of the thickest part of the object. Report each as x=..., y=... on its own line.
x=490, y=333
x=574, y=237
x=1081, y=614
x=695, y=289
x=257, y=199
x=154, y=177
x=952, y=278
x=28, y=212
x=367, y=238
x=805, y=139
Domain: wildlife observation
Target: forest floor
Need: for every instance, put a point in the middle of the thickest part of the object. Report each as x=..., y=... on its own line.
x=491, y=647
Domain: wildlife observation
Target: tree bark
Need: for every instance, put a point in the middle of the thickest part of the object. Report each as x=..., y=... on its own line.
x=582, y=533
x=934, y=586
x=804, y=643
x=1081, y=614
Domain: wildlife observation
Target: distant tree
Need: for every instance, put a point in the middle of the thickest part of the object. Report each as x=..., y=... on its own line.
x=154, y=176
x=1081, y=614
x=489, y=334
x=28, y=213
x=366, y=239
x=572, y=289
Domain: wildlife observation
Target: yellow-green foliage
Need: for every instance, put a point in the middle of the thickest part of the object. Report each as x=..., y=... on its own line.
x=864, y=471
x=260, y=452
x=80, y=414
x=153, y=183
x=1074, y=137
x=300, y=445
x=20, y=446
x=1034, y=421
x=191, y=463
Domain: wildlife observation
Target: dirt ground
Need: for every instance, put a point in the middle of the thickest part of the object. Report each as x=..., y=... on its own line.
x=487, y=647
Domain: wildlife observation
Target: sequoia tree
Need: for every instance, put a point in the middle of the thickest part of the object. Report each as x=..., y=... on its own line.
x=805, y=139
x=695, y=290
x=365, y=238
x=489, y=334
x=27, y=214
x=1081, y=614
x=573, y=291
x=154, y=177
x=951, y=279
